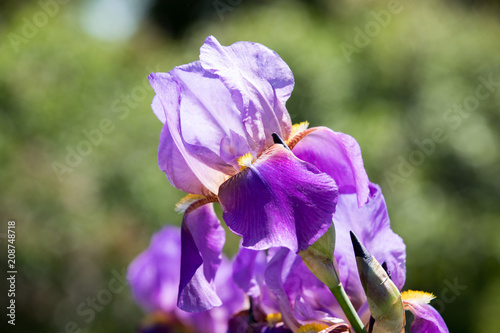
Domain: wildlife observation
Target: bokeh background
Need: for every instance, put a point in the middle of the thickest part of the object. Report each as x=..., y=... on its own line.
x=392, y=74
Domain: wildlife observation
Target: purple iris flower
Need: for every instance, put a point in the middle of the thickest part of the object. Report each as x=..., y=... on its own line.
x=277, y=282
x=154, y=280
x=219, y=116
x=304, y=300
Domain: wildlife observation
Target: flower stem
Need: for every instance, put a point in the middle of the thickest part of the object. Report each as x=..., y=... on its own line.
x=346, y=305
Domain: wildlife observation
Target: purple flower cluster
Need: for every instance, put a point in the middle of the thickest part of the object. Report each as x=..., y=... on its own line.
x=227, y=138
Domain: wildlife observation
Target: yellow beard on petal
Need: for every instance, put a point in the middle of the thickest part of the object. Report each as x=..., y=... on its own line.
x=420, y=297
x=274, y=318
x=187, y=201
x=312, y=328
x=193, y=201
x=296, y=129
x=299, y=131
x=245, y=161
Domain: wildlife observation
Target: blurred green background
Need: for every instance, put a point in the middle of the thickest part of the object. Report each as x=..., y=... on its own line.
x=392, y=74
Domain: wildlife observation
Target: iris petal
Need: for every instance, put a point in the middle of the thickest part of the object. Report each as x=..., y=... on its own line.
x=427, y=319
x=171, y=161
x=338, y=155
x=158, y=109
x=205, y=164
x=208, y=116
x=274, y=275
x=249, y=264
x=371, y=224
x=260, y=83
x=153, y=285
x=278, y=201
x=202, y=240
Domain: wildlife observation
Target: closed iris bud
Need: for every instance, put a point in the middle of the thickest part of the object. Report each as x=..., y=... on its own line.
x=320, y=260
x=384, y=298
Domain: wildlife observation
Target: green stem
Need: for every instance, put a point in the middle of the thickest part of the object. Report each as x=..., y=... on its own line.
x=346, y=305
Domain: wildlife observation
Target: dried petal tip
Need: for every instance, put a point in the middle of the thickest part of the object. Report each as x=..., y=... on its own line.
x=359, y=249
x=386, y=269
x=279, y=141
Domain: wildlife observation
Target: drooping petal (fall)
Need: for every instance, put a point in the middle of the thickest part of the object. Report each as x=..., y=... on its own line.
x=278, y=201
x=202, y=240
x=338, y=155
x=154, y=281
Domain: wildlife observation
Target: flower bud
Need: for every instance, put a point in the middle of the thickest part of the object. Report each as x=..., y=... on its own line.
x=383, y=296
x=320, y=260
